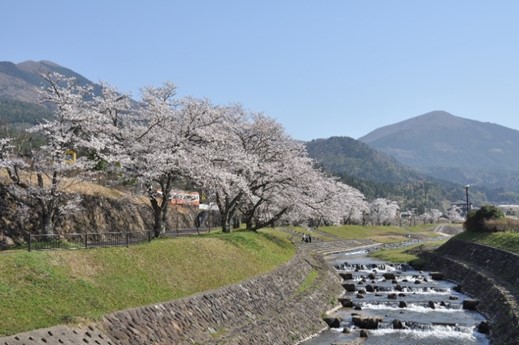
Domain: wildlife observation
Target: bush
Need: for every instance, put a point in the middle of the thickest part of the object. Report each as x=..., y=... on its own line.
x=478, y=220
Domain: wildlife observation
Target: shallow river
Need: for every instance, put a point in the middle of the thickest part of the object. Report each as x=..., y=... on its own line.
x=428, y=311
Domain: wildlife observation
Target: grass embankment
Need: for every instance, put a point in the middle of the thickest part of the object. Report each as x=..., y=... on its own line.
x=382, y=234
x=385, y=234
x=502, y=240
x=40, y=289
x=407, y=254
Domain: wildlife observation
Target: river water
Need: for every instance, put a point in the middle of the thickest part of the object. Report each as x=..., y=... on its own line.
x=430, y=311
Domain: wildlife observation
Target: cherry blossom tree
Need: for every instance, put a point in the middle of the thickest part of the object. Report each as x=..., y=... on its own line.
x=224, y=172
x=158, y=141
x=353, y=204
x=322, y=199
x=265, y=176
x=173, y=151
x=383, y=211
x=273, y=177
x=255, y=170
x=454, y=214
x=431, y=215
x=40, y=179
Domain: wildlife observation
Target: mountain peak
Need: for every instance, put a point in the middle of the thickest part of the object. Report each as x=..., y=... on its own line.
x=19, y=82
x=450, y=147
x=37, y=67
x=438, y=113
x=417, y=125
x=439, y=117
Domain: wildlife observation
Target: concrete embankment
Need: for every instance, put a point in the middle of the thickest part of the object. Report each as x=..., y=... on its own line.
x=281, y=307
x=489, y=274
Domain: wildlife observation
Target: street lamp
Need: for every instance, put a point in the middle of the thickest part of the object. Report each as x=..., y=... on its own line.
x=467, y=196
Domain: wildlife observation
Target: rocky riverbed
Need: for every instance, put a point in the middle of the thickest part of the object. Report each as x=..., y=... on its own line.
x=394, y=304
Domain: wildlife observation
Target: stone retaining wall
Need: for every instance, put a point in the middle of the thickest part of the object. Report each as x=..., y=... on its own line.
x=469, y=265
x=269, y=309
x=500, y=262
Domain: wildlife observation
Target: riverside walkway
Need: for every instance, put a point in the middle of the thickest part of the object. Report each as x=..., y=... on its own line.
x=326, y=244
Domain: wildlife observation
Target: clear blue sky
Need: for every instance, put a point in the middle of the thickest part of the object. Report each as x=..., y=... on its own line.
x=321, y=68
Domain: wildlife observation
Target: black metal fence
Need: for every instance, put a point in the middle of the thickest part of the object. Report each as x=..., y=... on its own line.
x=87, y=240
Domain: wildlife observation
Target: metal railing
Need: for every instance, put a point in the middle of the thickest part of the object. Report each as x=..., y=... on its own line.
x=87, y=240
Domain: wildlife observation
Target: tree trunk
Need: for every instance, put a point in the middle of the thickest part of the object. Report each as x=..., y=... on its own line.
x=160, y=206
x=157, y=223
x=228, y=219
x=236, y=222
x=227, y=209
x=226, y=226
x=47, y=226
x=160, y=212
x=164, y=216
x=256, y=223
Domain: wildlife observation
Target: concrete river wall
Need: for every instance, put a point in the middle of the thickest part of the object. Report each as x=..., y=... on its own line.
x=489, y=274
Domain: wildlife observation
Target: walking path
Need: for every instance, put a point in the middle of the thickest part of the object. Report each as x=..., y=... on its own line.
x=336, y=246
x=324, y=247
x=447, y=230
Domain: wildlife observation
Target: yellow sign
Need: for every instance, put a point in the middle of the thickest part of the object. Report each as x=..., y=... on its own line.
x=70, y=156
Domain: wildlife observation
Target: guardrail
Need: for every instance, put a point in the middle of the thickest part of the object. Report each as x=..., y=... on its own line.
x=87, y=240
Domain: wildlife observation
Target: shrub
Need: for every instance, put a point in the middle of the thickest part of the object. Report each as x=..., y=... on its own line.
x=477, y=220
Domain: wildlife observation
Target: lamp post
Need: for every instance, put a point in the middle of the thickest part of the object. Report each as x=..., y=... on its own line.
x=467, y=198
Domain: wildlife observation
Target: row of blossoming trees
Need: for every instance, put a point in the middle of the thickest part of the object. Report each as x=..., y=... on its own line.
x=244, y=159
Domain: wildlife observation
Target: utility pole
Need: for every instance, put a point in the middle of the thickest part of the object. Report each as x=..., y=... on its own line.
x=467, y=198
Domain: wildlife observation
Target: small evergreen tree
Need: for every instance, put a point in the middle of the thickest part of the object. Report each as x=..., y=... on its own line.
x=476, y=220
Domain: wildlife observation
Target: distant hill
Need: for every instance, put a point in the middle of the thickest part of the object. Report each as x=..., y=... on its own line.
x=18, y=83
x=344, y=155
x=455, y=149
x=379, y=175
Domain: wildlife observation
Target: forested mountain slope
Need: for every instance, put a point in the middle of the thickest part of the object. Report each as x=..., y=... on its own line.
x=378, y=175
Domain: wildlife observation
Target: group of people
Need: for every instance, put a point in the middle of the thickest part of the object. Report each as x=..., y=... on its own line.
x=306, y=238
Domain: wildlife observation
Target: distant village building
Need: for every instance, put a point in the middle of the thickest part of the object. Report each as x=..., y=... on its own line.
x=406, y=213
x=462, y=206
x=510, y=211
x=408, y=217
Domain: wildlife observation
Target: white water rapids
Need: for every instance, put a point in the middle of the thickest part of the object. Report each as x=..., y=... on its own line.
x=429, y=311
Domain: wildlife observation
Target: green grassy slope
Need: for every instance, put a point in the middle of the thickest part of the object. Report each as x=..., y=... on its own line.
x=382, y=234
x=41, y=289
x=502, y=240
